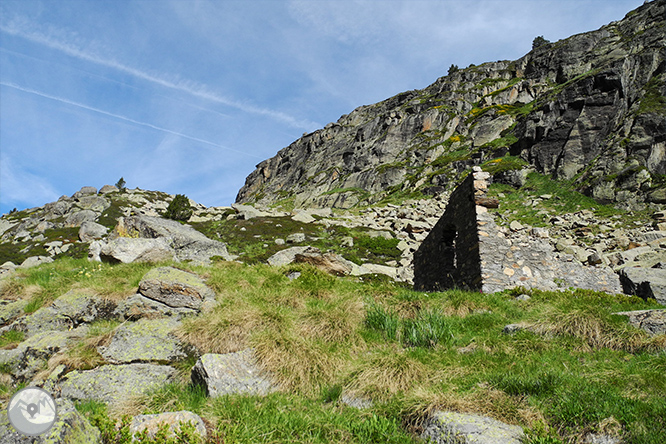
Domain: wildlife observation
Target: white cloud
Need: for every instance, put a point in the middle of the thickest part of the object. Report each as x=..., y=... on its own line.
x=72, y=45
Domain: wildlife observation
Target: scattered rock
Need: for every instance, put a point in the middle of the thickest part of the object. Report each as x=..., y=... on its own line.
x=286, y=256
x=512, y=329
x=651, y=321
x=115, y=383
x=451, y=427
x=35, y=261
x=230, y=373
x=296, y=238
x=328, y=262
x=176, y=288
x=152, y=423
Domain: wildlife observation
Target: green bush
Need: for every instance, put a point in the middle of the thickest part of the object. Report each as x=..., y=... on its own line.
x=179, y=209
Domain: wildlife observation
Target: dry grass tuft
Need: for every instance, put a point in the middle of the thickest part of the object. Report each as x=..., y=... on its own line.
x=12, y=289
x=484, y=401
x=296, y=362
x=597, y=333
x=336, y=322
x=388, y=373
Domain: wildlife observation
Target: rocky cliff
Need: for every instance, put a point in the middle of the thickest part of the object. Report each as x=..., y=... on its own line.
x=588, y=109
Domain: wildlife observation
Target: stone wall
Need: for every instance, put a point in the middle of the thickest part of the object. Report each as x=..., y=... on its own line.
x=466, y=249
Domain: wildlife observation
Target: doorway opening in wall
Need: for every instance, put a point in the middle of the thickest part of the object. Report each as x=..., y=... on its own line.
x=448, y=249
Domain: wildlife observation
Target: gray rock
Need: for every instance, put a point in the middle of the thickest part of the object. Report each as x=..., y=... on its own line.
x=85, y=191
x=188, y=243
x=391, y=272
x=651, y=321
x=644, y=283
x=90, y=231
x=31, y=355
x=128, y=250
x=460, y=428
x=70, y=427
x=304, y=217
x=75, y=219
x=230, y=373
x=296, y=238
x=145, y=340
x=331, y=263
x=115, y=383
x=106, y=189
x=138, y=306
x=286, y=256
x=357, y=403
x=247, y=212
x=176, y=288
x=68, y=311
x=11, y=310
x=6, y=225
x=512, y=328
x=152, y=423
x=35, y=261
x=94, y=203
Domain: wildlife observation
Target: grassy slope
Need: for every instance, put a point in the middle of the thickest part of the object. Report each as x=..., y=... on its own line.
x=577, y=368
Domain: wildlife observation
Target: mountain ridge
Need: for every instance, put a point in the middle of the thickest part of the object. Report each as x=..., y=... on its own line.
x=588, y=108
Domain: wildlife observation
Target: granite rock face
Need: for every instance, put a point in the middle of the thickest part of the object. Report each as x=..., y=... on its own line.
x=176, y=288
x=591, y=104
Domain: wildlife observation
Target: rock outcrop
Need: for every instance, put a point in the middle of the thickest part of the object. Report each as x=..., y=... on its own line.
x=590, y=106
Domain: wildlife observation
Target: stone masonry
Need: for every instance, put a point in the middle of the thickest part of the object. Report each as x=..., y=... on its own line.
x=467, y=250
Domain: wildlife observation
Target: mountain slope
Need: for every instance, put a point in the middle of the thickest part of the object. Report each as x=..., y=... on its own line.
x=589, y=108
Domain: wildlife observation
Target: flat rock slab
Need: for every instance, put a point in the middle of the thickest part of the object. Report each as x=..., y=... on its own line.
x=651, y=321
x=128, y=250
x=115, y=383
x=31, y=355
x=70, y=427
x=459, y=428
x=68, y=311
x=145, y=340
x=152, y=423
x=176, y=288
x=645, y=283
x=138, y=306
x=230, y=373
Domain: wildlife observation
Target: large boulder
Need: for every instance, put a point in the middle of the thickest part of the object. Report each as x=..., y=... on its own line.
x=85, y=191
x=288, y=255
x=247, y=212
x=115, y=383
x=152, y=423
x=176, y=288
x=644, y=283
x=460, y=428
x=230, y=373
x=90, y=231
x=145, y=340
x=76, y=218
x=187, y=243
x=128, y=250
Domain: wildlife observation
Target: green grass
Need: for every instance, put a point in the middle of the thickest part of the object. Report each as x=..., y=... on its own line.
x=575, y=368
x=565, y=200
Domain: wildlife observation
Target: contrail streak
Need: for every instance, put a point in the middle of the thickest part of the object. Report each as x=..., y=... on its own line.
x=188, y=87
x=126, y=119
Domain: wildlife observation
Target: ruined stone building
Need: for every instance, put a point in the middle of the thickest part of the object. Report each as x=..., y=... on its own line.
x=467, y=250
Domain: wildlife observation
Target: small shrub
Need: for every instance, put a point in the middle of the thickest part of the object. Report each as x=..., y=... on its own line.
x=179, y=209
x=539, y=41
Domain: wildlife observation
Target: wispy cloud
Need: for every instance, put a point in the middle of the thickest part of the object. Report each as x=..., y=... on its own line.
x=58, y=39
x=124, y=118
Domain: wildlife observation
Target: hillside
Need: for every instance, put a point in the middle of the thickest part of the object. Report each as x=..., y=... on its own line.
x=588, y=109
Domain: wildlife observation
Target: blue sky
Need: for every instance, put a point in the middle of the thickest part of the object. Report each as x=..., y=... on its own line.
x=187, y=96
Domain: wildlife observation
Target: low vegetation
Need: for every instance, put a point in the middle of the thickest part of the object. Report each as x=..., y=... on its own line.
x=574, y=368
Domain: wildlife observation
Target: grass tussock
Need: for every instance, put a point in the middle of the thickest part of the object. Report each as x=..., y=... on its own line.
x=576, y=368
